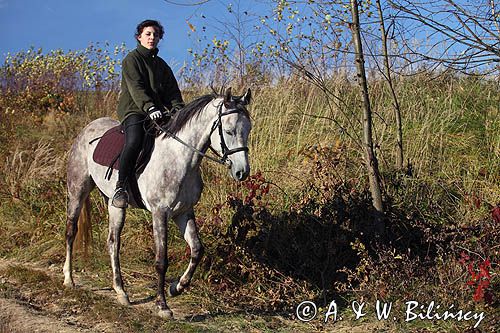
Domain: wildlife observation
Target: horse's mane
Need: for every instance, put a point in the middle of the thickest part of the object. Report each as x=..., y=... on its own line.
x=191, y=110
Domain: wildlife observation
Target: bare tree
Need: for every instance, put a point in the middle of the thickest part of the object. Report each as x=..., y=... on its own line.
x=226, y=55
x=388, y=77
x=462, y=35
x=370, y=157
x=237, y=29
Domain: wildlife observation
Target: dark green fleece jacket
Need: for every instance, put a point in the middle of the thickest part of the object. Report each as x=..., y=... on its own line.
x=147, y=81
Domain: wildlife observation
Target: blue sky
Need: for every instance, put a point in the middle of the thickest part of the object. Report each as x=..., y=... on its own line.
x=73, y=25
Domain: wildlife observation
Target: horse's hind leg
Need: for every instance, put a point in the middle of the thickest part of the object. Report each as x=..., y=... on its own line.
x=187, y=226
x=160, y=233
x=79, y=187
x=116, y=223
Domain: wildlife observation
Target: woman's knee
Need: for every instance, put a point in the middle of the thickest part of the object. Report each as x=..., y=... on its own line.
x=133, y=140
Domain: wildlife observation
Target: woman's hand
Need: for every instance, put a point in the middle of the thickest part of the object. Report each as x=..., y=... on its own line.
x=154, y=113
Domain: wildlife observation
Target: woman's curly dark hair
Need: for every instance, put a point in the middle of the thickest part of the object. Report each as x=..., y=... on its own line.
x=149, y=23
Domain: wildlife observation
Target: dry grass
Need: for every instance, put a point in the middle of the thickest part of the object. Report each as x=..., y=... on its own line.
x=317, y=201
x=28, y=167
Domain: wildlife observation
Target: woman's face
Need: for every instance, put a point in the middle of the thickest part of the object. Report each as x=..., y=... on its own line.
x=149, y=38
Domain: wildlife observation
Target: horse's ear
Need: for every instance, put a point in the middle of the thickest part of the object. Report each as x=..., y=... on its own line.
x=227, y=97
x=246, y=99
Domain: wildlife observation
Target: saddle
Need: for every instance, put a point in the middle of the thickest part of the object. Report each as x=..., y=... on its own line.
x=108, y=151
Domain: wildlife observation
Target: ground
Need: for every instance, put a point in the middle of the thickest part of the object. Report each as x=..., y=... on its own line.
x=32, y=299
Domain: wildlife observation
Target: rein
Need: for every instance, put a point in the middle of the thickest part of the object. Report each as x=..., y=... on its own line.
x=223, y=160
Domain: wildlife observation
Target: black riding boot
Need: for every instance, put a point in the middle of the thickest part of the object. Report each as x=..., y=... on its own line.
x=120, y=198
x=134, y=134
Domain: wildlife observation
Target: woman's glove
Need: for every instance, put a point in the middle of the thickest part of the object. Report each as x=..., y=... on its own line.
x=154, y=113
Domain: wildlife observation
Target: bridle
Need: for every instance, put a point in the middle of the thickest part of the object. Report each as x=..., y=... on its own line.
x=217, y=125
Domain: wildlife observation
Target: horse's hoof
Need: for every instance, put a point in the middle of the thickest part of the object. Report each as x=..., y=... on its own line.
x=166, y=314
x=123, y=300
x=172, y=290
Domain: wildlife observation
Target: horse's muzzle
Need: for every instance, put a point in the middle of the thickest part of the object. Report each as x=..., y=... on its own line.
x=241, y=175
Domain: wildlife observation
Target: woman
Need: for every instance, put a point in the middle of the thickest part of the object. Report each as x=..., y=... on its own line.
x=148, y=88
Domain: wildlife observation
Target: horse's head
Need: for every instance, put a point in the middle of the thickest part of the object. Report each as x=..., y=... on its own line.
x=230, y=138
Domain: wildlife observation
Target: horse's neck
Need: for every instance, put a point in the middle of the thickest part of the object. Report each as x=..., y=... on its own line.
x=196, y=134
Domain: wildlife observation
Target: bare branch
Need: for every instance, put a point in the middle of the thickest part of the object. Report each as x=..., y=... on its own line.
x=464, y=33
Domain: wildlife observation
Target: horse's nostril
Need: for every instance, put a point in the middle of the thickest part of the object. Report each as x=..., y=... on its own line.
x=239, y=175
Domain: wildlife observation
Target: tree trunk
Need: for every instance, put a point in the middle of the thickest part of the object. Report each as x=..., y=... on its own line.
x=370, y=157
x=397, y=110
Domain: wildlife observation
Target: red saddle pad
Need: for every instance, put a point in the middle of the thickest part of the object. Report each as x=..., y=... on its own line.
x=110, y=147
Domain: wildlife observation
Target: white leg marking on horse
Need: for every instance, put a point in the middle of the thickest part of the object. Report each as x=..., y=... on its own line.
x=116, y=223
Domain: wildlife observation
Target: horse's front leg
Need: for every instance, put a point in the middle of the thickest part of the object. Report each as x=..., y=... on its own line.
x=187, y=226
x=116, y=222
x=160, y=233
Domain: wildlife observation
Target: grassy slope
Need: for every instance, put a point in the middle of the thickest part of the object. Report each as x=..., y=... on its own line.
x=451, y=140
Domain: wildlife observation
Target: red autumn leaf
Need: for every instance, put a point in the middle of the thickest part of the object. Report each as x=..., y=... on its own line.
x=495, y=213
x=484, y=284
x=477, y=201
x=470, y=268
x=464, y=258
x=484, y=269
x=479, y=294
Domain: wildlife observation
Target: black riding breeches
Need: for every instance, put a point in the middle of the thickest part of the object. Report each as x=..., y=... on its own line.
x=134, y=137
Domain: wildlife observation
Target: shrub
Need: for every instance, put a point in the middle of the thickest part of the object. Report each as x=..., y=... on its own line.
x=36, y=83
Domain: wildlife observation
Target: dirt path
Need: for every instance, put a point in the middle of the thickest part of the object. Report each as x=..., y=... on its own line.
x=20, y=312
x=34, y=309
x=15, y=317
x=32, y=299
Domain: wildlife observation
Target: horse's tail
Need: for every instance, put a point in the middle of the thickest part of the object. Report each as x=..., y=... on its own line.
x=84, y=233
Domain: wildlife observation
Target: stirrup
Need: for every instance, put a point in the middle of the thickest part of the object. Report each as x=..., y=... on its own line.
x=120, y=198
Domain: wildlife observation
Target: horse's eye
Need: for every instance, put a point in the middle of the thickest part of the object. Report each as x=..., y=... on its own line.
x=229, y=132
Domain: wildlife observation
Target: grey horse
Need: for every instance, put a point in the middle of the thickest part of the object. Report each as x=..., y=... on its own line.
x=170, y=184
